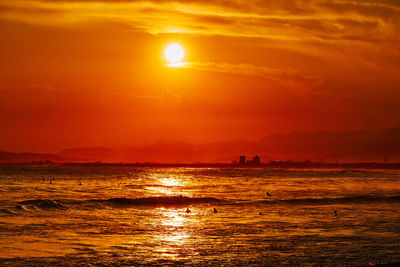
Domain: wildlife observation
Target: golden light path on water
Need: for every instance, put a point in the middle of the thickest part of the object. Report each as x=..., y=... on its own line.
x=173, y=224
x=176, y=237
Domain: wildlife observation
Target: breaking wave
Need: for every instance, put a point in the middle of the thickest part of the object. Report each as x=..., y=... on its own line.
x=42, y=204
x=29, y=206
x=36, y=205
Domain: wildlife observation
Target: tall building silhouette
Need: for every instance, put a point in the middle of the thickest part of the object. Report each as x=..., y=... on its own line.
x=242, y=160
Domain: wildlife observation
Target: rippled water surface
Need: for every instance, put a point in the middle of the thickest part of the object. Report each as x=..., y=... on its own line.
x=110, y=215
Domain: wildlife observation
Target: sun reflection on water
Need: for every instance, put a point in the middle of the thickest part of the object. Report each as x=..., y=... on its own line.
x=173, y=237
x=176, y=221
x=170, y=182
x=168, y=186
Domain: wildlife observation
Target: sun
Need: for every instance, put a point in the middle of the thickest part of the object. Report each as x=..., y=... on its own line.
x=174, y=53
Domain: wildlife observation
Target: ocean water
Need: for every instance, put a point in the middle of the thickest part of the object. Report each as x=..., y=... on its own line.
x=55, y=215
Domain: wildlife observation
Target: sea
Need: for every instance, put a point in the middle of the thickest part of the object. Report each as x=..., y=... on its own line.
x=129, y=216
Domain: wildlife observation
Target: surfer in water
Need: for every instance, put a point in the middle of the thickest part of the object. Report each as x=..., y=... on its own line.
x=215, y=210
x=188, y=210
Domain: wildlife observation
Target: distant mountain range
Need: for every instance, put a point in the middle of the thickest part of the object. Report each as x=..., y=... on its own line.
x=316, y=146
x=29, y=157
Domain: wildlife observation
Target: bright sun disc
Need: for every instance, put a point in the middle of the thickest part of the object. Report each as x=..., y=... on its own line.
x=174, y=53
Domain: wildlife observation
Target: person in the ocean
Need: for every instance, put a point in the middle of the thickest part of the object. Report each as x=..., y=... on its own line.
x=268, y=194
x=335, y=213
x=188, y=210
x=215, y=210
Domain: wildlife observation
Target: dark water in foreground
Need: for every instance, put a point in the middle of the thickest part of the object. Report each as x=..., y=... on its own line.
x=117, y=216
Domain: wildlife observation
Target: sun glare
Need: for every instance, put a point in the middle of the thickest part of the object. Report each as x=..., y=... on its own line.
x=174, y=53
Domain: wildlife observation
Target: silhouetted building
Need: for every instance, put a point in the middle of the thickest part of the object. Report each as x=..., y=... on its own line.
x=256, y=160
x=253, y=162
x=242, y=160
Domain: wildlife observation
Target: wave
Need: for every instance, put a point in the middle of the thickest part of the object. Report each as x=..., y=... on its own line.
x=36, y=205
x=184, y=200
x=42, y=204
x=362, y=199
x=159, y=201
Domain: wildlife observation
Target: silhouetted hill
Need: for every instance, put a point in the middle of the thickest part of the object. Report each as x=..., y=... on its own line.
x=9, y=157
x=180, y=152
x=346, y=146
x=349, y=146
x=316, y=146
x=91, y=154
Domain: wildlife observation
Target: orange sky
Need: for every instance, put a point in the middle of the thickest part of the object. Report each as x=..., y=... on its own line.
x=92, y=73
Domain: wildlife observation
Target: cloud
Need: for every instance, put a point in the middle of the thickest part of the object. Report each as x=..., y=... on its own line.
x=34, y=99
x=315, y=27
x=285, y=77
x=286, y=20
x=342, y=32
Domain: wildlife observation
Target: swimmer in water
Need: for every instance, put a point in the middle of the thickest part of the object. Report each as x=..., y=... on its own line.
x=215, y=210
x=188, y=210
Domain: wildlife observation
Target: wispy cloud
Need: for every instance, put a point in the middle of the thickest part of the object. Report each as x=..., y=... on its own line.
x=365, y=32
x=288, y=20
x=285, y=77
